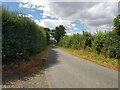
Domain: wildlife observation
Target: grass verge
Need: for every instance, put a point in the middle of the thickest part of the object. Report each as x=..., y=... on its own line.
x=11, y=70
x=91, y=56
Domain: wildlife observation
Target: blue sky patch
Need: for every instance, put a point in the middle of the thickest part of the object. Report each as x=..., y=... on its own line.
x=38, y=14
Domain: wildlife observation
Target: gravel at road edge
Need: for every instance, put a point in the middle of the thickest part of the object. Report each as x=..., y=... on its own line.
x=29, y=80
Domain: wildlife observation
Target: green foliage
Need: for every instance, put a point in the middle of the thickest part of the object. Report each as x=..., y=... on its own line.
x=47, y=31
x=102, y=43
x=59, y=32
x=76, y=41
x=0, y=31
x=87, y=39
x=112, y=45
x=66, y=41
x=117, y=25
x=22, y=38
x=98, y=42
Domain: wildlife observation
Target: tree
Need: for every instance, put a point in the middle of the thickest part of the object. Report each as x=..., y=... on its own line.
x=47, y=30
x=59, y=32
x=117, y=25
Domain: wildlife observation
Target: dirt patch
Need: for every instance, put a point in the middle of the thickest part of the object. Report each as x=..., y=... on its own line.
x=27, y=74
x=33, y=78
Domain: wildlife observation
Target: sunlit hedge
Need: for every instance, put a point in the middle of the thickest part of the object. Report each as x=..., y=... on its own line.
x=21, y=37
x=101, y=43
x=107, y=44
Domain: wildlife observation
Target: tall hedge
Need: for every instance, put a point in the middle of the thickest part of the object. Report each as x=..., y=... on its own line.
x=112, y=45
x=21, y=37
x=107, y=44
x=77, y=41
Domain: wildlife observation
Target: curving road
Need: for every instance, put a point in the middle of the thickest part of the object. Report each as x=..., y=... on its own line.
x=64, y=70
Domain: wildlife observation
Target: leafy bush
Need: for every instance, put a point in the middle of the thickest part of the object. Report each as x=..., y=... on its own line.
x=22, y=38
x=117, y=25
x=98, y=42
x=65, y=41
x=87, y=39
x=77, y=41
x=112, y=45
x=104, y=43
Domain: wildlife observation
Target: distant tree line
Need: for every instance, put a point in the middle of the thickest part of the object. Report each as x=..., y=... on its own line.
x=101, y=43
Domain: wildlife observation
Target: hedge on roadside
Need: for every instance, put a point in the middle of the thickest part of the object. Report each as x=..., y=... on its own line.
x=21, y=38
x=107, y=43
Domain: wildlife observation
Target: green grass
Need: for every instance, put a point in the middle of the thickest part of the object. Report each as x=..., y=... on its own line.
x=99, y=59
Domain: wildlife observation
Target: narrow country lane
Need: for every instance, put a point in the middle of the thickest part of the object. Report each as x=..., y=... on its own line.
x=64, y=70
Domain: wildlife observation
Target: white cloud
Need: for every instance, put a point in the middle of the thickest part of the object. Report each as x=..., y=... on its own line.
x=40, y=8
x=29, y=15
x=21, y=5
x=64, y=0
x=35, y=2
x=70, y=28
x=92, y=14
x=103, y=28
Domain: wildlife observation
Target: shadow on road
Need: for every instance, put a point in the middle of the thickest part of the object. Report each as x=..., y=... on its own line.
x=52, y=57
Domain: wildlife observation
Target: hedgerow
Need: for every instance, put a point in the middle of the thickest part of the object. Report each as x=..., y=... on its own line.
x=22, y=38
x=101, y=43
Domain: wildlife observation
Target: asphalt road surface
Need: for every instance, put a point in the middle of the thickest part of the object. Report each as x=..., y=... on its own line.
x=64, y=70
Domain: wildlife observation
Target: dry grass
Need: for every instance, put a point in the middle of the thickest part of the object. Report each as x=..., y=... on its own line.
x=10, y=70
x=99, y=59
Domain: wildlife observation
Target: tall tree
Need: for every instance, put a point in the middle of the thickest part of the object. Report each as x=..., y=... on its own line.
x=59, y=32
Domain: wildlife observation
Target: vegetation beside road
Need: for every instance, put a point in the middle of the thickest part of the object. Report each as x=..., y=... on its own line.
x=102, y=47
x=91, y=56
x=24, y=43
x=15, y=69
x=22, y=38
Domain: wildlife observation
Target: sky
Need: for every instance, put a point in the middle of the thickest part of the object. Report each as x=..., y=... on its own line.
x=75, y=16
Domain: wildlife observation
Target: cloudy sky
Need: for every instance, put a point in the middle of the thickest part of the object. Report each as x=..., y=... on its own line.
x=75, y=16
